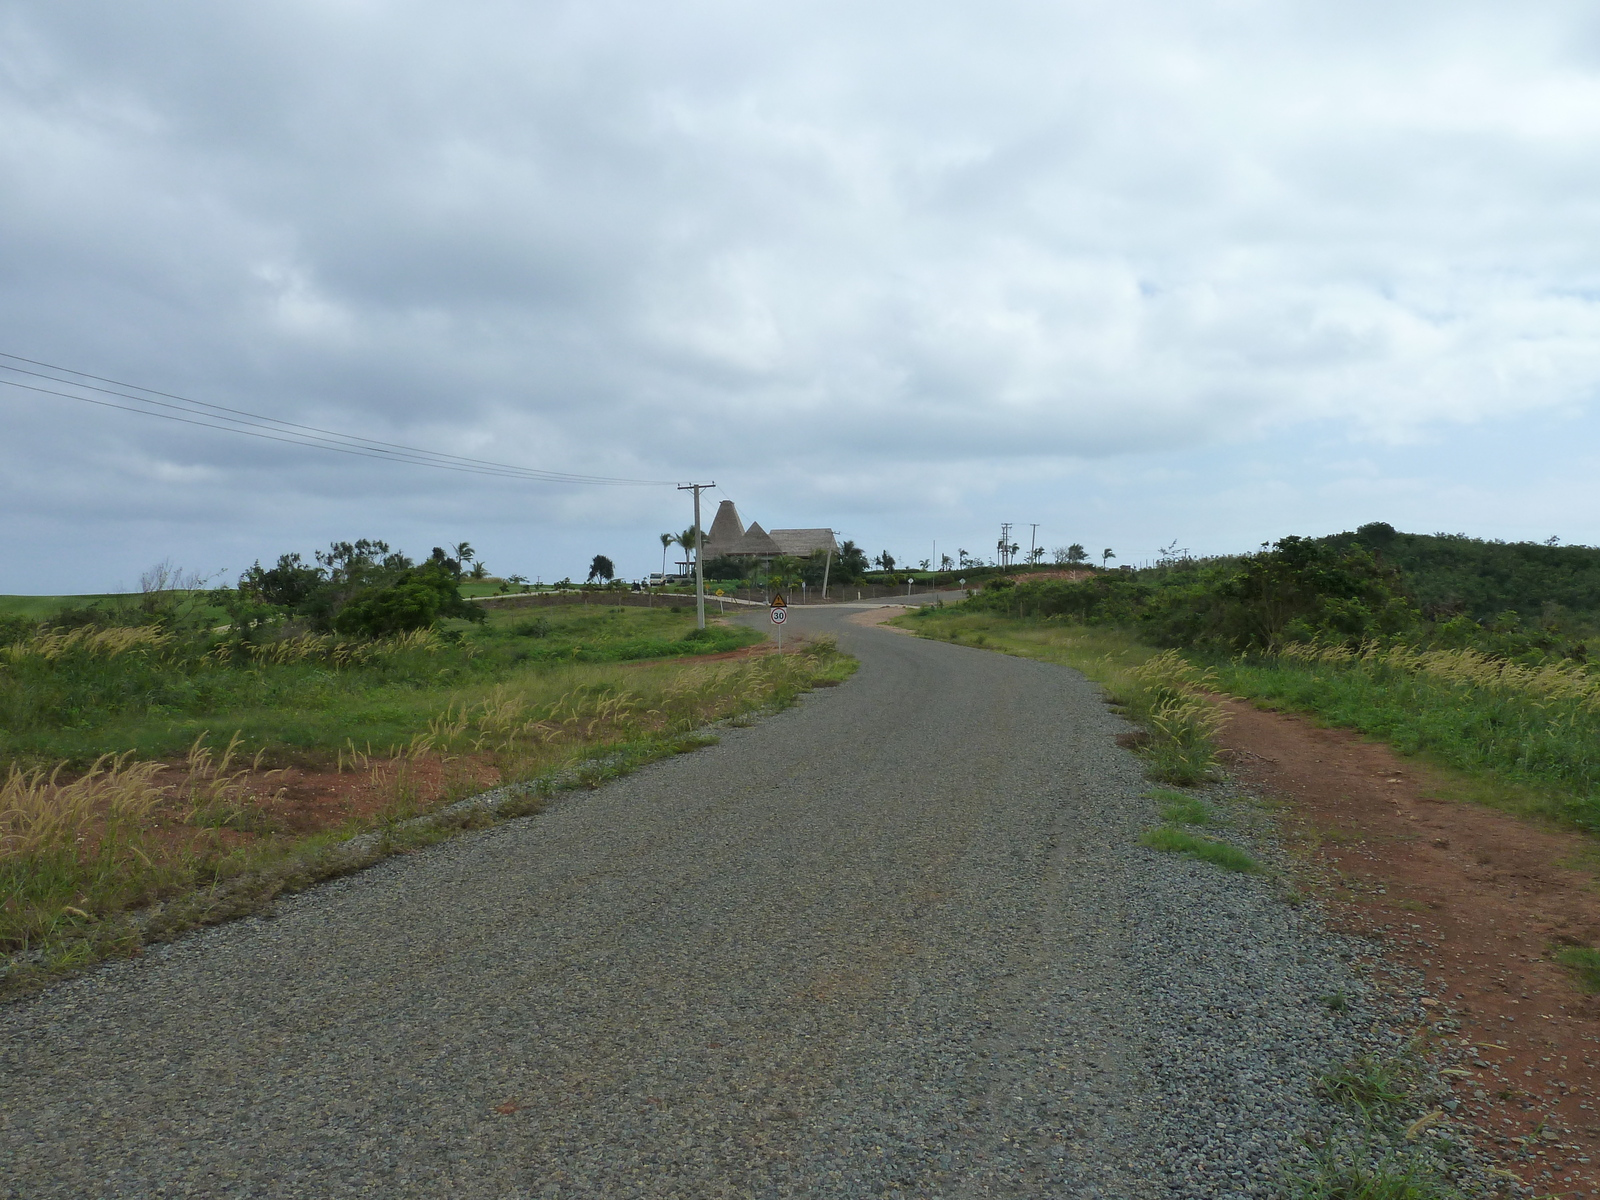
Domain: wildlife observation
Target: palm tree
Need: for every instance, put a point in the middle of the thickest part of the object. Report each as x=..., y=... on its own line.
x=1106, y=556
x=666, y=544
x=686, y=539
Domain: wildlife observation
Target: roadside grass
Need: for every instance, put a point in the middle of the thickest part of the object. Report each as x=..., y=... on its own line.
x=83, y=846
x=1172, y=840
x=1157, y=689
x=1507, y=739
x=1180, y=809
x=1378, y=1090
x=1386, y=1094
x=1337, y=1176
x=299, y=698
x=1524, y=740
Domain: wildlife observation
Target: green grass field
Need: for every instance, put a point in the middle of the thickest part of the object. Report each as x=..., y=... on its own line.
x=155, y=700
x=1517, y=750
x=37, y=608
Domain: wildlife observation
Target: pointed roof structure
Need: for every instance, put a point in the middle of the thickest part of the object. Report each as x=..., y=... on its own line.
x=756, y=541
x=728, y=536
x=725, y=532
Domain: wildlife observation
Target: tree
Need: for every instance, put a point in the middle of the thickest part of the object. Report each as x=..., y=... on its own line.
x=1172, y=553
x=414, y=600
x=686, y=540
x=964, y=557
x=727, y=566
x=601, y=568
x=945, y=562
x=286, y=585
x=1036, y=555
x=1107, y=555
x=851, y=563
x=885, y=561
x=667, y=540
x=1076, y=553
x=784, y=572
x=925, y=563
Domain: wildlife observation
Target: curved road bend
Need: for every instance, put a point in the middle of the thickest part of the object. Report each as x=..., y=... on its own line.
x=880, y=944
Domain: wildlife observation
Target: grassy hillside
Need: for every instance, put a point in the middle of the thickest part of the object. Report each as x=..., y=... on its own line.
x=1451, y=574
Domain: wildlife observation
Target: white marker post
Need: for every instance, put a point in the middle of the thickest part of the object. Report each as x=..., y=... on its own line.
x=780, y=613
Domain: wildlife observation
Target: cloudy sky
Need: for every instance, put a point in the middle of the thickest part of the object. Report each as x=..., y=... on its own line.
x=1139, y=271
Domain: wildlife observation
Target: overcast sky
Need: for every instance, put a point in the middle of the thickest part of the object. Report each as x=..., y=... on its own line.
x=1210, y=271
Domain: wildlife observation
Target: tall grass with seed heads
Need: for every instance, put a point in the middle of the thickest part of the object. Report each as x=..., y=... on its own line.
x=1531, y=733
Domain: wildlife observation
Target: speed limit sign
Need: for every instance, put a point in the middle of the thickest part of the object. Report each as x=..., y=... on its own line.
x=778, y=615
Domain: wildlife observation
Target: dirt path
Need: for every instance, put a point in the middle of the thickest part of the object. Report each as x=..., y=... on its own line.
x=1475, y=899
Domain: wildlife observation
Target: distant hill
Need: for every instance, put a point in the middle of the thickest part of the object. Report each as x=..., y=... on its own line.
x=1450, y=573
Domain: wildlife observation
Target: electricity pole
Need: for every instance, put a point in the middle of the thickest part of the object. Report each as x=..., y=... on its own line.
x=1005, y=543
x=1033, y=542
x=826, y=563
x=699, y=570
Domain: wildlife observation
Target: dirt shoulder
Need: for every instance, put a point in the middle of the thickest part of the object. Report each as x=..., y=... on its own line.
x=1476, y=900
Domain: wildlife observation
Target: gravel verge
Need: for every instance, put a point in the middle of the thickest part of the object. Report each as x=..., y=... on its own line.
x=899, y=940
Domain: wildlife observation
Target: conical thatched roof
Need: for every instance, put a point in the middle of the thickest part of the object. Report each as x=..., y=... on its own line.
x=756, y=541
x=728, y=535
x=726, y=531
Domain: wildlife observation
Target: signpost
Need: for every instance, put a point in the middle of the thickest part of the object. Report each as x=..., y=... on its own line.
x=780, y=613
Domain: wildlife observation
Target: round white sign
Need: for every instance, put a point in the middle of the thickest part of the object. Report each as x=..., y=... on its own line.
x=778, y=615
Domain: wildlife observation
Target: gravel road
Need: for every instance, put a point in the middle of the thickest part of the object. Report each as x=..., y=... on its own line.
x=896, y=941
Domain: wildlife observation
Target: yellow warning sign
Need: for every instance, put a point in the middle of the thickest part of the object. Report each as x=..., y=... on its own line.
x=778, y=601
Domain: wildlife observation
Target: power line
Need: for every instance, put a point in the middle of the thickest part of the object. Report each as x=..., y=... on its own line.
x=229, y=420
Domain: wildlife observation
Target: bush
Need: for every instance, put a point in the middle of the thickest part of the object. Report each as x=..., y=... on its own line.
x=358, y=588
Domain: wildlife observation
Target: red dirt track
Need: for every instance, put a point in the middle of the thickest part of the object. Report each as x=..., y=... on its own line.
x=1476, y=900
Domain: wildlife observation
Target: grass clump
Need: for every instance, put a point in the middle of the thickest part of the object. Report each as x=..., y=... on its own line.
x=1179, y=809
x=1180, y=841
x=1384, y=1161
x=1584, y=963
x=1340, y=1177
x=1378, y=1090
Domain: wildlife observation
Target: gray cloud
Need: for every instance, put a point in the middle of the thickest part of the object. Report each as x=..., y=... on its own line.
x=820, y=254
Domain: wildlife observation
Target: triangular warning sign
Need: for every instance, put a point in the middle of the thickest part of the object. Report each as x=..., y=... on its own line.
x=778, y=601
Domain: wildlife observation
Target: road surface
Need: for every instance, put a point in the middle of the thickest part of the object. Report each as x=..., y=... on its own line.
x=898, y=940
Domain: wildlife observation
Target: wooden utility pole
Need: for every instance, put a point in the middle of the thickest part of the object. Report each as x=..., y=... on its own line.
x=699, y=570
x=827, y=563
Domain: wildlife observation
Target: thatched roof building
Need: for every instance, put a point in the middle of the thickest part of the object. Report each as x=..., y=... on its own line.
x=728, y=536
